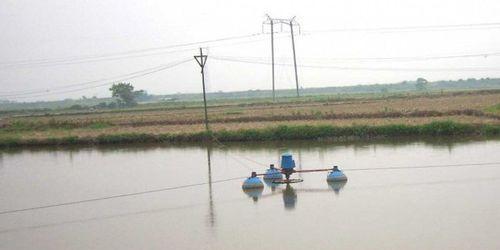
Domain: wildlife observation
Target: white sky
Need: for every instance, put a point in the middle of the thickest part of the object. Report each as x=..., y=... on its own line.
x=32, y=30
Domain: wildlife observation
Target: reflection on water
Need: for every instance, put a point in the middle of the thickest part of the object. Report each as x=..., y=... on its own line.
x=271, y=184
x=211, y=213
x=337, y=186
x=456, y=202
x=289, y=192
x=280, y=147
x=254, y=193
x=289, y=197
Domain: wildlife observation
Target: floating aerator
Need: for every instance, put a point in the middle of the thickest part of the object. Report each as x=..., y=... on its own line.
x=336, y=175
x=272, y=173
x=252, y=182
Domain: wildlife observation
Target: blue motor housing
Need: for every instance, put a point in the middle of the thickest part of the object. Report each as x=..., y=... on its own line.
x=287, y=162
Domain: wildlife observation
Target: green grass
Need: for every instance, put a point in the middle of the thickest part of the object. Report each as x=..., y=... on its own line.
x=18, y=126
x=252, y=101
x=305, y=132
x=495, y=109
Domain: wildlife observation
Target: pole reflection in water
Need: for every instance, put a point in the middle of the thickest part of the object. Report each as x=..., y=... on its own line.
x=211, y=213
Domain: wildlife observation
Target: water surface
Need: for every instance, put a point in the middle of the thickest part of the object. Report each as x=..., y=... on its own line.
x=430, y=208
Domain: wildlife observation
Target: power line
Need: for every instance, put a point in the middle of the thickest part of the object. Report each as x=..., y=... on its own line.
x=133, y=53
x=405, y=58
x=118, y=80
x=48, y=64
x=129, y=52
x=34, y=91
x=495, y=25
x=129, y=76
x=116, y=58
x=138, y=53
x=279, y=36
x=360, y=68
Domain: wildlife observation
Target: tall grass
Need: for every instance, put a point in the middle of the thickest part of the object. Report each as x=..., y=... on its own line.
x=303, y=132
x=495, y=109
x=16, y=126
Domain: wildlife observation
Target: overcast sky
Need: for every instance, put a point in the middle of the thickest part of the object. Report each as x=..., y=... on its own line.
x=64, y=30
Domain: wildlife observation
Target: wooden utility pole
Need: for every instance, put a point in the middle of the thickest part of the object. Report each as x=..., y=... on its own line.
x=202, y=59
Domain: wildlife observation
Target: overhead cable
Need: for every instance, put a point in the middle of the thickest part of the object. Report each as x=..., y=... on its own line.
x=361, y=68
x=122, y=78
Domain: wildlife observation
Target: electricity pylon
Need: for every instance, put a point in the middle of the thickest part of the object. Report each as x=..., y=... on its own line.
x=291, y=23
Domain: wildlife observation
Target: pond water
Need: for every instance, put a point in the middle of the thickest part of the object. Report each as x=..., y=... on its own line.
x=454, y=207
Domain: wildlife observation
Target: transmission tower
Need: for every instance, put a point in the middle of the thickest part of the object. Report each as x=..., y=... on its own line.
x=290, y=23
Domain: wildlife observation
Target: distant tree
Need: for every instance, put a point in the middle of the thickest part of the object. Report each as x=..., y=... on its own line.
x=101, y=105
x=142, y=95
x=421, y=84
x=76, y=107
x=125, y=93
x=112, y=105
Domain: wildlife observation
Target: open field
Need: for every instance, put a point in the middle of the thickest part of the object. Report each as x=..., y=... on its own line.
x=474, y=108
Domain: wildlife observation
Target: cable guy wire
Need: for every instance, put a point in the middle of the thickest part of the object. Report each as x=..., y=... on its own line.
x=118, y=196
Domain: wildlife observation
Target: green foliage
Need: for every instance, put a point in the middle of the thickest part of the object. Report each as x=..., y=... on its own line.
x=446, y=128
x=76, y=107
x=495, y=109
x=53, y=124
x=142, y=96
x=490, y=130
x=421, y=84
x=234, y=112
x=283, y=132
x=125, y=138
x=125, y=93
x=246, y=98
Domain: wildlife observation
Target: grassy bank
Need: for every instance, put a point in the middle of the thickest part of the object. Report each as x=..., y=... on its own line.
x=284, y=132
